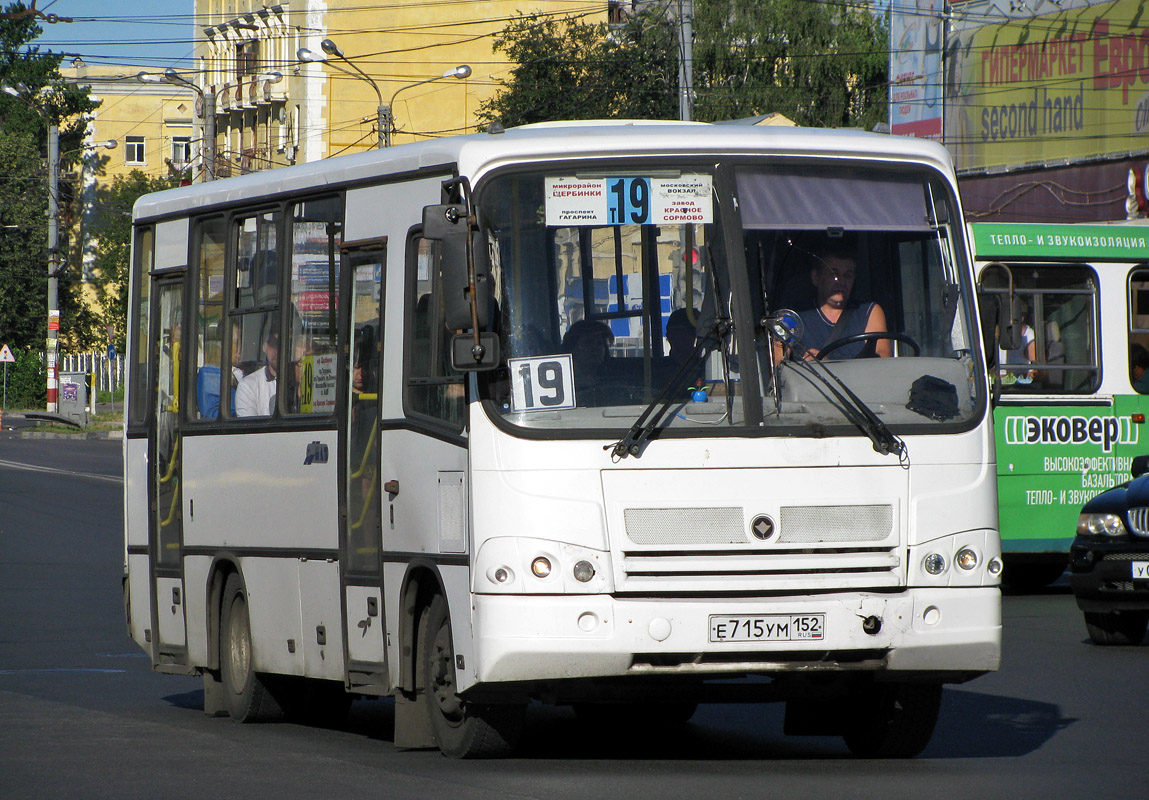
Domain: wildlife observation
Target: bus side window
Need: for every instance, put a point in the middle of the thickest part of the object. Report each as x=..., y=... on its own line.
x=211, y=245
x=433, y=388
x=316, y=238
x=1139, y=330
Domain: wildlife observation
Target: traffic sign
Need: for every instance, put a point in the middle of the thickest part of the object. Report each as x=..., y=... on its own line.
x=6, y=356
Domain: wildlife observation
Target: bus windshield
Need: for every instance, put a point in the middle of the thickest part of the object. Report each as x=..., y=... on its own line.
x=621, y=287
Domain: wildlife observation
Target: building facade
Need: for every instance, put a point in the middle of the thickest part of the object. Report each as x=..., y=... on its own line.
x=394, y=56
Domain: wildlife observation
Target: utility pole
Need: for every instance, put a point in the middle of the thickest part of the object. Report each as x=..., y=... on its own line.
x=52, y=342
x=686, y=60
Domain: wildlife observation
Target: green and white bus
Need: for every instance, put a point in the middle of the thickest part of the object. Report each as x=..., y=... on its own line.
x=1069, y=419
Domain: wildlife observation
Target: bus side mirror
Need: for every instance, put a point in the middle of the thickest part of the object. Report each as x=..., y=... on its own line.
x=448, y=225
x=464, y=357
x=1139, y=466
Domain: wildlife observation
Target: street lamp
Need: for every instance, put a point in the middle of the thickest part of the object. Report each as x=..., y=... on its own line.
x=384, y=119
x=171, y=76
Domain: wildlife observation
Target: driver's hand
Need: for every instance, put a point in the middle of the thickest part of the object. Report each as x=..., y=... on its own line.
x=811, y=354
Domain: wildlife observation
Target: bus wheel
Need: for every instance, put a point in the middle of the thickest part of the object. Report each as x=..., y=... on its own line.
x=463, y=729
x=892, y=720
x=245, y=693
x=1116, y=627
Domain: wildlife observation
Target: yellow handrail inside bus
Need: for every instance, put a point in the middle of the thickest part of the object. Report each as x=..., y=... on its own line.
x=172, y=462
x=175, y=502
x=368, y=450
x=366, y=503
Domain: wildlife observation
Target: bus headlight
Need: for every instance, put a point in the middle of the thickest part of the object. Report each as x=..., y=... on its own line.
x=934, y=563
x=527, y=565
x=966, y=558
x=583, y=571
x=1100, y=525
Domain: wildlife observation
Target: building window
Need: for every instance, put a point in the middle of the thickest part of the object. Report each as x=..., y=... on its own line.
x=134, y=149
x=181, y=151
x=246, y=59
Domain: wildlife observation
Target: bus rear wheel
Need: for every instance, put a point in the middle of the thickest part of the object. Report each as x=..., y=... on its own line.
x=463, y=729
x=892, y=720
x=1116, y=627
x=246, y=695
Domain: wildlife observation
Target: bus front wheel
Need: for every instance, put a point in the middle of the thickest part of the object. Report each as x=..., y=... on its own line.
x=245, y=693
x=463, y=729
x=892, y=720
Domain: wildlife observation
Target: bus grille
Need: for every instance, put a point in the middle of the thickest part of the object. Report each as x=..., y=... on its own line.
x=691, y=572
x=728, y=525
x=1139, y=520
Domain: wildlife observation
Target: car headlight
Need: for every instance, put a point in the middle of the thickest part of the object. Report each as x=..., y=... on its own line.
x=1100, y=525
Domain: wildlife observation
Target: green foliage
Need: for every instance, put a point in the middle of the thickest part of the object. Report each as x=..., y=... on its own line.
x=27, y=380
x=568, y=69
x=820, y=64
x=111, y=227
x=43, y=97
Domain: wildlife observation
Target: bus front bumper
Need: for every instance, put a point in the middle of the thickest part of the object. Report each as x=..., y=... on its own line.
x=533, y=638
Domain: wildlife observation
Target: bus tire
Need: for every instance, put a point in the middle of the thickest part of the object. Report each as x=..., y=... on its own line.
x=1116, y=627
x=462, y=729
x=246, y=695
x=892, y=720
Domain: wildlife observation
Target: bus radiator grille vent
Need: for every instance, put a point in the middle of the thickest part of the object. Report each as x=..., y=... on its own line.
x=685, y=526
x=856, y=523
x=1139, y=520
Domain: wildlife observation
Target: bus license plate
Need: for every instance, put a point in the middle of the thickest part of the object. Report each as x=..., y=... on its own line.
x=1141, y=570
x=767, y=627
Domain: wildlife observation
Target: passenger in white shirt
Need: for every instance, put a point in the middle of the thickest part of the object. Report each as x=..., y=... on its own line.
x=255, y=394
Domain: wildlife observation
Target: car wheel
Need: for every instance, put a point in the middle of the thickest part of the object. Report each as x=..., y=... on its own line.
x=463, y=729
x=1116, y=627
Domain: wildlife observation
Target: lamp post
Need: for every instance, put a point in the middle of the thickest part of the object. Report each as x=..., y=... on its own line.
x=385, y=120
x=208, y=97
x=52, y=341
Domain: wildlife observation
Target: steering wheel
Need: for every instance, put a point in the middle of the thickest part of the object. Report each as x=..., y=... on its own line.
x=872, y=336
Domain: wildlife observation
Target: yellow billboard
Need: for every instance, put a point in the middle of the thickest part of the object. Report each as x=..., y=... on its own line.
x=1054, y=88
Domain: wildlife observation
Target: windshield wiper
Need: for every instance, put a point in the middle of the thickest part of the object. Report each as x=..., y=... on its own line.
x=785, y=326
x=649, y=421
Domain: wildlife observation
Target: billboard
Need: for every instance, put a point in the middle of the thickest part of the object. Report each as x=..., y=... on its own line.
x=1060, y=87
x=915, y=68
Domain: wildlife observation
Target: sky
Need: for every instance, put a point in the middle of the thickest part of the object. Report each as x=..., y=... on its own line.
x=113, y=33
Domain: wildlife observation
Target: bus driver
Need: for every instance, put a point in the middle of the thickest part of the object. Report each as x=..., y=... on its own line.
x=832, y=319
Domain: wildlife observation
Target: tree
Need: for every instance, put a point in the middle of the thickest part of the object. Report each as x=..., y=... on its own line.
x=570, y=69
x=111, y=228
x=818, y=63
x=43, y=97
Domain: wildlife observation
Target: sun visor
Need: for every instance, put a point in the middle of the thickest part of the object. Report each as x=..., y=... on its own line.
x=808, y=200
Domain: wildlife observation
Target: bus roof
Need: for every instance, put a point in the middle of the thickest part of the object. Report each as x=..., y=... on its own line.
x=474, y=154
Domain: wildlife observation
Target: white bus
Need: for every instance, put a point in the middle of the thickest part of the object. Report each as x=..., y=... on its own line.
x=423, y=423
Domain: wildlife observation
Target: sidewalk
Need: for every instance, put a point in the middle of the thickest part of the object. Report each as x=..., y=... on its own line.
x=15, y=423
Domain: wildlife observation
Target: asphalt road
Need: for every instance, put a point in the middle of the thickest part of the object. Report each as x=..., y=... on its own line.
x=82, y=715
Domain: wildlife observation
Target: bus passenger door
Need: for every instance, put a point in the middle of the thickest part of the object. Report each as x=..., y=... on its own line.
x=360, y=528
x=165, y=535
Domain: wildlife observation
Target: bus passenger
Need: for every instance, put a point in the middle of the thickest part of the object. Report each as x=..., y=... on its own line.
x=1139, y=368
x=832, y=319
x=681, y=334
x=588, y=341
x=255, y=394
